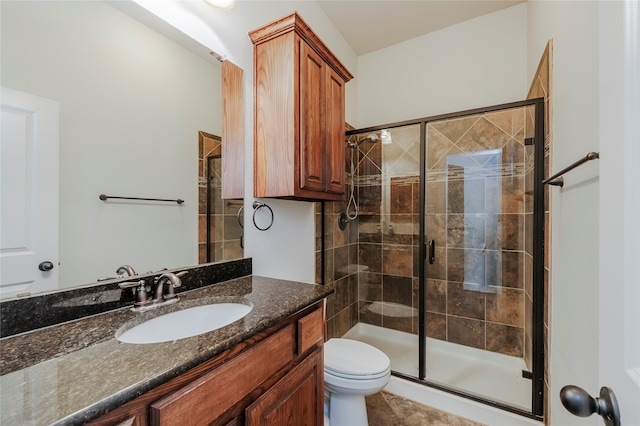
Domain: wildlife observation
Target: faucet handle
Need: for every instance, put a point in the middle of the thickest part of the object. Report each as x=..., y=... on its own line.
x=107, y=279
x=140, y=291
x=180, y=275
x=129, y=284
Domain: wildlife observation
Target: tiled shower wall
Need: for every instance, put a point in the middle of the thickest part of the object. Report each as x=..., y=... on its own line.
x=224, y=229
x=378, y=283
x=340, y=259
x=387, y=241
x=374, y=258
x=385, y=237
x=388, y=229
x=475, y=205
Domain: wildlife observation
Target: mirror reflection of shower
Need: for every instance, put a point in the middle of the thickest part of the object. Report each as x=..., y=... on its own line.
x=351, y=211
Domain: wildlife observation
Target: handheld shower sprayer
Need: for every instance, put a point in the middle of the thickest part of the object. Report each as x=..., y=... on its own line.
x=351, y=211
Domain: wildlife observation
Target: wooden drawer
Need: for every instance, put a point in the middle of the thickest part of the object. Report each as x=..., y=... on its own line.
x=310, y=330
x=207, y=398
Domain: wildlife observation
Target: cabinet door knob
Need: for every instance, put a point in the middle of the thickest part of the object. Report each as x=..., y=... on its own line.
x=45, y=266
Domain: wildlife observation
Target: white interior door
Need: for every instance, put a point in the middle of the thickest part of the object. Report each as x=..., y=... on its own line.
x=28, y=194
x=619, y=295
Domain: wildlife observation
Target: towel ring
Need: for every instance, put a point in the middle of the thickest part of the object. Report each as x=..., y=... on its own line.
x=239, y=217
x=257, y=205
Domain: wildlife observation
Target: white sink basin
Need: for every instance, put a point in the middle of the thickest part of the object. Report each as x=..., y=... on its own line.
x=185, y=323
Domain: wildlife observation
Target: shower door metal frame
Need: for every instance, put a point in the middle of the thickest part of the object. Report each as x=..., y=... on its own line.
x=538, y=342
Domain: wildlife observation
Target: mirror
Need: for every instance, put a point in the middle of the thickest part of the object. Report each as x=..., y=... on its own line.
x=134, y=106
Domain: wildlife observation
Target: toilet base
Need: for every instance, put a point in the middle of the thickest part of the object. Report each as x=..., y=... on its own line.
x=347, y=410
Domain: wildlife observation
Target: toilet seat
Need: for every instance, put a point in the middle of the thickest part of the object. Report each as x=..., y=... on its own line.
x=355, y=376
x=354, y=360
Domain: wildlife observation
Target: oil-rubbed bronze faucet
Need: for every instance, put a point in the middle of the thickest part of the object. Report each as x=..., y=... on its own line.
x=171, y=281
x=128, y=269
x=164, y=292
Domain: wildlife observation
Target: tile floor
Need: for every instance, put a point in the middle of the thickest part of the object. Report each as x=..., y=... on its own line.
x=386, y=409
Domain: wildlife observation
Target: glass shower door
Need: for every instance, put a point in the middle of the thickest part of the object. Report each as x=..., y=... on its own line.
x=478, y=274
x=388, y=181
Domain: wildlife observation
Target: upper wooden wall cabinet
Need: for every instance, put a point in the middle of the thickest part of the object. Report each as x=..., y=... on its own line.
x=299, y=130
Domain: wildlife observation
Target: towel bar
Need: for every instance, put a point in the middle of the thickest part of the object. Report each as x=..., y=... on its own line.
x=557, y=180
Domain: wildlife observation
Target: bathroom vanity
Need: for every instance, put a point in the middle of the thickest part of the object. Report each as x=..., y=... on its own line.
x=275, y=375
x=260, y=369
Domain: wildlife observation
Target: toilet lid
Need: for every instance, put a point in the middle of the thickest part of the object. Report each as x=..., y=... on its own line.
x=351, y=358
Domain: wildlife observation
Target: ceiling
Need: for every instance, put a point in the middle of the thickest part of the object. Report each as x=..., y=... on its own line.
x=369, y=25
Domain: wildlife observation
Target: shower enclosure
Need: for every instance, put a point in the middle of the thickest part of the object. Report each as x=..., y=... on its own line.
x=449, y=261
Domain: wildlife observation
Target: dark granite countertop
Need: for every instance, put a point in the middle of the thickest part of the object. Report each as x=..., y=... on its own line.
x=99, y=374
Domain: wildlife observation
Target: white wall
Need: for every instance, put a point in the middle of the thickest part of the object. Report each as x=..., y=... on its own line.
x=489, y=54
x=287, y=249
x=131, y=104
x=476, y=63
x=574, y=28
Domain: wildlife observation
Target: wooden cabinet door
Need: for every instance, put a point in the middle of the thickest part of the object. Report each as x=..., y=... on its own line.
x=232, y=131
x=335, y=137
x=297, y=399
x=312, y=128
x=275, y=128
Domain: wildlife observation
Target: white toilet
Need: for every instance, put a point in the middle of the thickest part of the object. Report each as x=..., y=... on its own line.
x=352, y=370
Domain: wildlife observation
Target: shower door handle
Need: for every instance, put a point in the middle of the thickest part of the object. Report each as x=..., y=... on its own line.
x=432, y=252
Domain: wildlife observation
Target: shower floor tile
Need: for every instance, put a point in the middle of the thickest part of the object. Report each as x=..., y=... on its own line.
x=387, y=409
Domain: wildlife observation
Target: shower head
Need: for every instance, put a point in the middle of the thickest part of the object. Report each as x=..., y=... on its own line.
x=373, y=138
